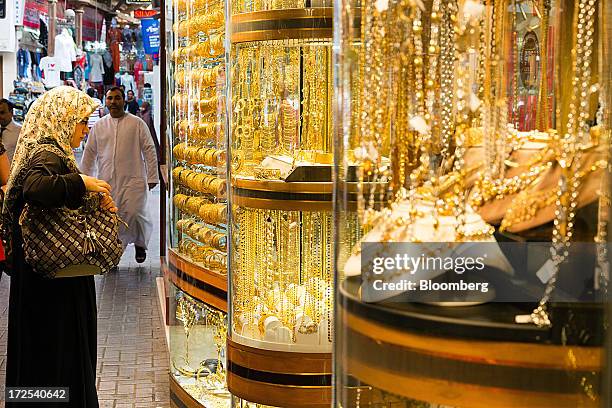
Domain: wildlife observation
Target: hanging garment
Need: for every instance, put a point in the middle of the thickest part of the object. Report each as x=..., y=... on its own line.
x=65, y=51
x=126, y=35
x=114, y=38
x=87, y=66
x=137, y=70
x=78, y=71
x=51, y=72
x=35, y=57
x=97, y=68
x=121, y=151
x=43, y=34
x=23, y=64
x=109, y=72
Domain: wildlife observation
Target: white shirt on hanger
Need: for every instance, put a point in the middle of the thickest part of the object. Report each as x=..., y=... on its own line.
x=50, y=68
x=65, y=51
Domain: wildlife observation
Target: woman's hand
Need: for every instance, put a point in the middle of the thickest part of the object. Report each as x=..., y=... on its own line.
x=107, y=203
x=96, y=185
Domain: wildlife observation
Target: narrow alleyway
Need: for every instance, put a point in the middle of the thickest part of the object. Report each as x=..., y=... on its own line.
x=132, y=352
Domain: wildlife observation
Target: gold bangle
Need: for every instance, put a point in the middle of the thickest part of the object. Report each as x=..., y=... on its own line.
x=190, y=180
x=191, y=152
x=208, y=158
x=218, y=187
x=175, y=173
x=219, y=157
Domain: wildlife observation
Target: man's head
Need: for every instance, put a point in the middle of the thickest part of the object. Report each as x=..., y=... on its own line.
x=6, y=112
x=130, y=95
x=115, y=102
x=91, y=92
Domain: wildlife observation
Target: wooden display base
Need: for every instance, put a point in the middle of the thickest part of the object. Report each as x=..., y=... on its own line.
x=448, y=360
x=306, y=23
x=179, y=398
x=281, y=379
x=198, y=282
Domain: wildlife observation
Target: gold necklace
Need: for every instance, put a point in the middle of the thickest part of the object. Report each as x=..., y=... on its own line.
x=570, y=155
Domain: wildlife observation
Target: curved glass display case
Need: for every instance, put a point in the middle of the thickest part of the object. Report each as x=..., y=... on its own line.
x=280, y=154
x=196, y=261
x=472, y=131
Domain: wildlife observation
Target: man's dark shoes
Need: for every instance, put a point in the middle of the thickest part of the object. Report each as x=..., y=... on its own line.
x=141, y=254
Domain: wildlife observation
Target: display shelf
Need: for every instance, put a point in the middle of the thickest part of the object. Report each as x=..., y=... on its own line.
x=480, y=123
x=476, y=357
x=284, y=379
x=282, y=24
x=201, y=283
x=196, y=262
x=280, y=194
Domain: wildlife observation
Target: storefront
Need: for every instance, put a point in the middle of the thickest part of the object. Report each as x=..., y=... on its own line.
x=303, y=153
x=85, y=45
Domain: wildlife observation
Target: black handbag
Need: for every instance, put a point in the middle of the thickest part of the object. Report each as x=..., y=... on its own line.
x=61, y=242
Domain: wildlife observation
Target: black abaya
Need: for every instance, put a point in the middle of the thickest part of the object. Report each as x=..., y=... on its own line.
x=52, y=322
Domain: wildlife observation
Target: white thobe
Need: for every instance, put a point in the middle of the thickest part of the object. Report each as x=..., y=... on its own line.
x=121, y=152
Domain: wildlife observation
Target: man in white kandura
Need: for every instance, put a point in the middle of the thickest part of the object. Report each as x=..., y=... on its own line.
x=120, y=150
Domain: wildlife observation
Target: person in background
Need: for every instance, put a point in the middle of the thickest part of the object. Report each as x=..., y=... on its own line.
x=132, y=104
x=146, y=114
x=147, y=93
x=9, y=130
x=98, y=112
x=52, y=323
x=120, y=150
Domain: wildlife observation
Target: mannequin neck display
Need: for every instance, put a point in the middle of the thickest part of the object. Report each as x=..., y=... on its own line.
x=127, y=80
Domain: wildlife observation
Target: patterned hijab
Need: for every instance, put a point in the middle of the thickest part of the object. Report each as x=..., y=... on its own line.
x=49, y=125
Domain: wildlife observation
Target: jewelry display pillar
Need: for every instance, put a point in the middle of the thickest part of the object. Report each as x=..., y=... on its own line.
x=432, y=159
x=280, y=150
x=196, y=254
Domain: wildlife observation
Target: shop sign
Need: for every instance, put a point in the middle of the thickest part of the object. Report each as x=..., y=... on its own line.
x=141, y=13
x=34, y=10
x=150, y=35
x=137, y=1
x=19, y=9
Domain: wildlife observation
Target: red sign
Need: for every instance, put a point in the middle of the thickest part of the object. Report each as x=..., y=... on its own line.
x=140, y=13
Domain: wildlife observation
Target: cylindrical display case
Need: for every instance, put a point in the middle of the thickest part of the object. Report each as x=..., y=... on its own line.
x=280, y=193
x=474, y=131
x=196, y=261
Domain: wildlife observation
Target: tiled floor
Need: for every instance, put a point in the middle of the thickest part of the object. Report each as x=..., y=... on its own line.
x=132, y=352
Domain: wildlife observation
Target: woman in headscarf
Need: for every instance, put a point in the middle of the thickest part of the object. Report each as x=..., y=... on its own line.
x=52, y=322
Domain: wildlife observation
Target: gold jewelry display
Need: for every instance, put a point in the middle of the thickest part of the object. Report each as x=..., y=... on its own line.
x=570, y=149
x=199, y=210
x=278, y=108
x=269, y=283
